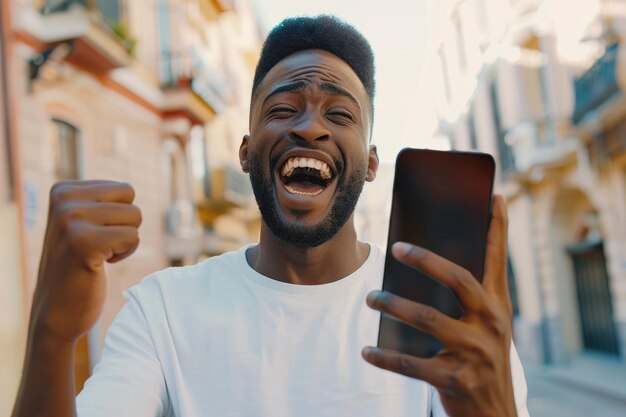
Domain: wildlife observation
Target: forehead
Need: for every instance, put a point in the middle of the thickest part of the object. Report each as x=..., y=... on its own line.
x=317, y=66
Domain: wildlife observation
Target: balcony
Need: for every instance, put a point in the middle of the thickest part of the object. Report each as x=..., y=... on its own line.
x=597, y=85
x=193, y=86
x=537, y=143
x=228, y=211
x=228, y=188
x=608, y=145
x=94, y=46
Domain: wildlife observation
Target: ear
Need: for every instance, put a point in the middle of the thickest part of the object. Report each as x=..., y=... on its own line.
x=372, y=166
x=243, y=154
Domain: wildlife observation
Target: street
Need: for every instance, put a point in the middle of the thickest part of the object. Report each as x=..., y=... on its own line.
x=549, y=397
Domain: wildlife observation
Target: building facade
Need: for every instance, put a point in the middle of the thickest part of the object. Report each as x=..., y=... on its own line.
x=150, y=92
x=12, y=317
x=539, y=85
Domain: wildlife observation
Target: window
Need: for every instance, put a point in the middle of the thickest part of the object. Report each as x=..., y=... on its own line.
x=165, y=51
x=111, y=10
x=64, y=148
x=197, y=155
x=57, y=6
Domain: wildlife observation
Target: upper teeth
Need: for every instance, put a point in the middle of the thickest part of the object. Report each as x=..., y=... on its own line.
x=293, y=163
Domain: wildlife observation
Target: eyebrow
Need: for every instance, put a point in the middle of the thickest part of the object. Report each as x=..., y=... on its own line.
x=300, y=85
x=335, y=89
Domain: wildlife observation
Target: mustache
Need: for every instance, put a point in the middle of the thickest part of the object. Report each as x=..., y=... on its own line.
x=274, y=159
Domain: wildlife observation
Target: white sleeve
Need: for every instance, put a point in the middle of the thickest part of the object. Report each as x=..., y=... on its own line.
x=520, y=390
x=128, y=381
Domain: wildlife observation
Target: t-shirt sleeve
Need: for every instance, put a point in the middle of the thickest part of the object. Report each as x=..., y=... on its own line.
x=520, y=390
x=128, y=380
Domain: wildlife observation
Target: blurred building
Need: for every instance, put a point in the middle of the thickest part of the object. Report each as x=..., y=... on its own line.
x=151, y=92
x=539, y=84
x=12, y=308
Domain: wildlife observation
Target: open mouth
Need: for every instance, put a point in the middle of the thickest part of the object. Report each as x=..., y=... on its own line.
x=305, y=176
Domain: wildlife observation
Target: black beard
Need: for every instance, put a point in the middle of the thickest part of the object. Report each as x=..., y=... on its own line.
x=300, y=234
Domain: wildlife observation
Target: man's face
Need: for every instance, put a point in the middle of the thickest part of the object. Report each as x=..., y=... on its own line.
x=307, y=153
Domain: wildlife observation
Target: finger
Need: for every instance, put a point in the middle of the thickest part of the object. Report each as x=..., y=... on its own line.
x=460, y=280
x=118, y=214
x=94, y=190
x=122, y=252
x=104, y=214
x=103, y=243
x=123, y=241
x=495, y=278
x=420, y=316
x=429, y=370
x=118, y=192
x=87, y=183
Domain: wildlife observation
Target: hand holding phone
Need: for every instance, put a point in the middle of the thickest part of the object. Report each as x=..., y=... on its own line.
x=441, y=202
x=469, y=361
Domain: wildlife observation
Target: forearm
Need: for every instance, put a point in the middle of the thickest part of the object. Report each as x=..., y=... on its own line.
x=47, y=387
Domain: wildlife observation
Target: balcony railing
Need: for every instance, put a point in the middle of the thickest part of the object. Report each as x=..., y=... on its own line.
x=106, y=13
x=597, y=85
x=110, y=10
x=537, y=142
x=59, y=6
x=188, y=69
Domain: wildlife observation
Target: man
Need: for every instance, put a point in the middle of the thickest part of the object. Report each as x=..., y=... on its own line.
x=280, y=328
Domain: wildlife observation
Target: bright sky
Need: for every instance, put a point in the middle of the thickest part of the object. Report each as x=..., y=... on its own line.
x=399, y=32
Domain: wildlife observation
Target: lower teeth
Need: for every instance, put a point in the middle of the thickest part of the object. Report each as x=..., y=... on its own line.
x=292, y=191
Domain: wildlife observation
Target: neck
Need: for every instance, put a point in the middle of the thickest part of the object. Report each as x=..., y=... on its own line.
x=331, y=261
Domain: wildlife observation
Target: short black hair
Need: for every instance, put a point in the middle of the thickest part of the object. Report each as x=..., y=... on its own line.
x=325, y=32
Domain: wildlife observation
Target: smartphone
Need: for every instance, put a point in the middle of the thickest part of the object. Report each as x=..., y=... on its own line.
x=441, y=202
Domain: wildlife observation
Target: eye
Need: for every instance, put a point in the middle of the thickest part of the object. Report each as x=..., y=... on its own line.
x=281, y=111
x=341, y=114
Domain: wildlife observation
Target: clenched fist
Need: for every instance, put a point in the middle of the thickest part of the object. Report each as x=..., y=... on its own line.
x=89, y=223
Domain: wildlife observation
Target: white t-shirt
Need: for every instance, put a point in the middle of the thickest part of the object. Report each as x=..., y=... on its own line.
x=219, y=339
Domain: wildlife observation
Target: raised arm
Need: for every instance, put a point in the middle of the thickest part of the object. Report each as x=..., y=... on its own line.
x=89, y=223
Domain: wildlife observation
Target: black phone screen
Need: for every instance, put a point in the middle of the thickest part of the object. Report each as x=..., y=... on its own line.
x=441, y=202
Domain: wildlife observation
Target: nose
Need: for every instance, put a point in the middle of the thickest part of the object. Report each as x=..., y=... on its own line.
x=310, y=127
